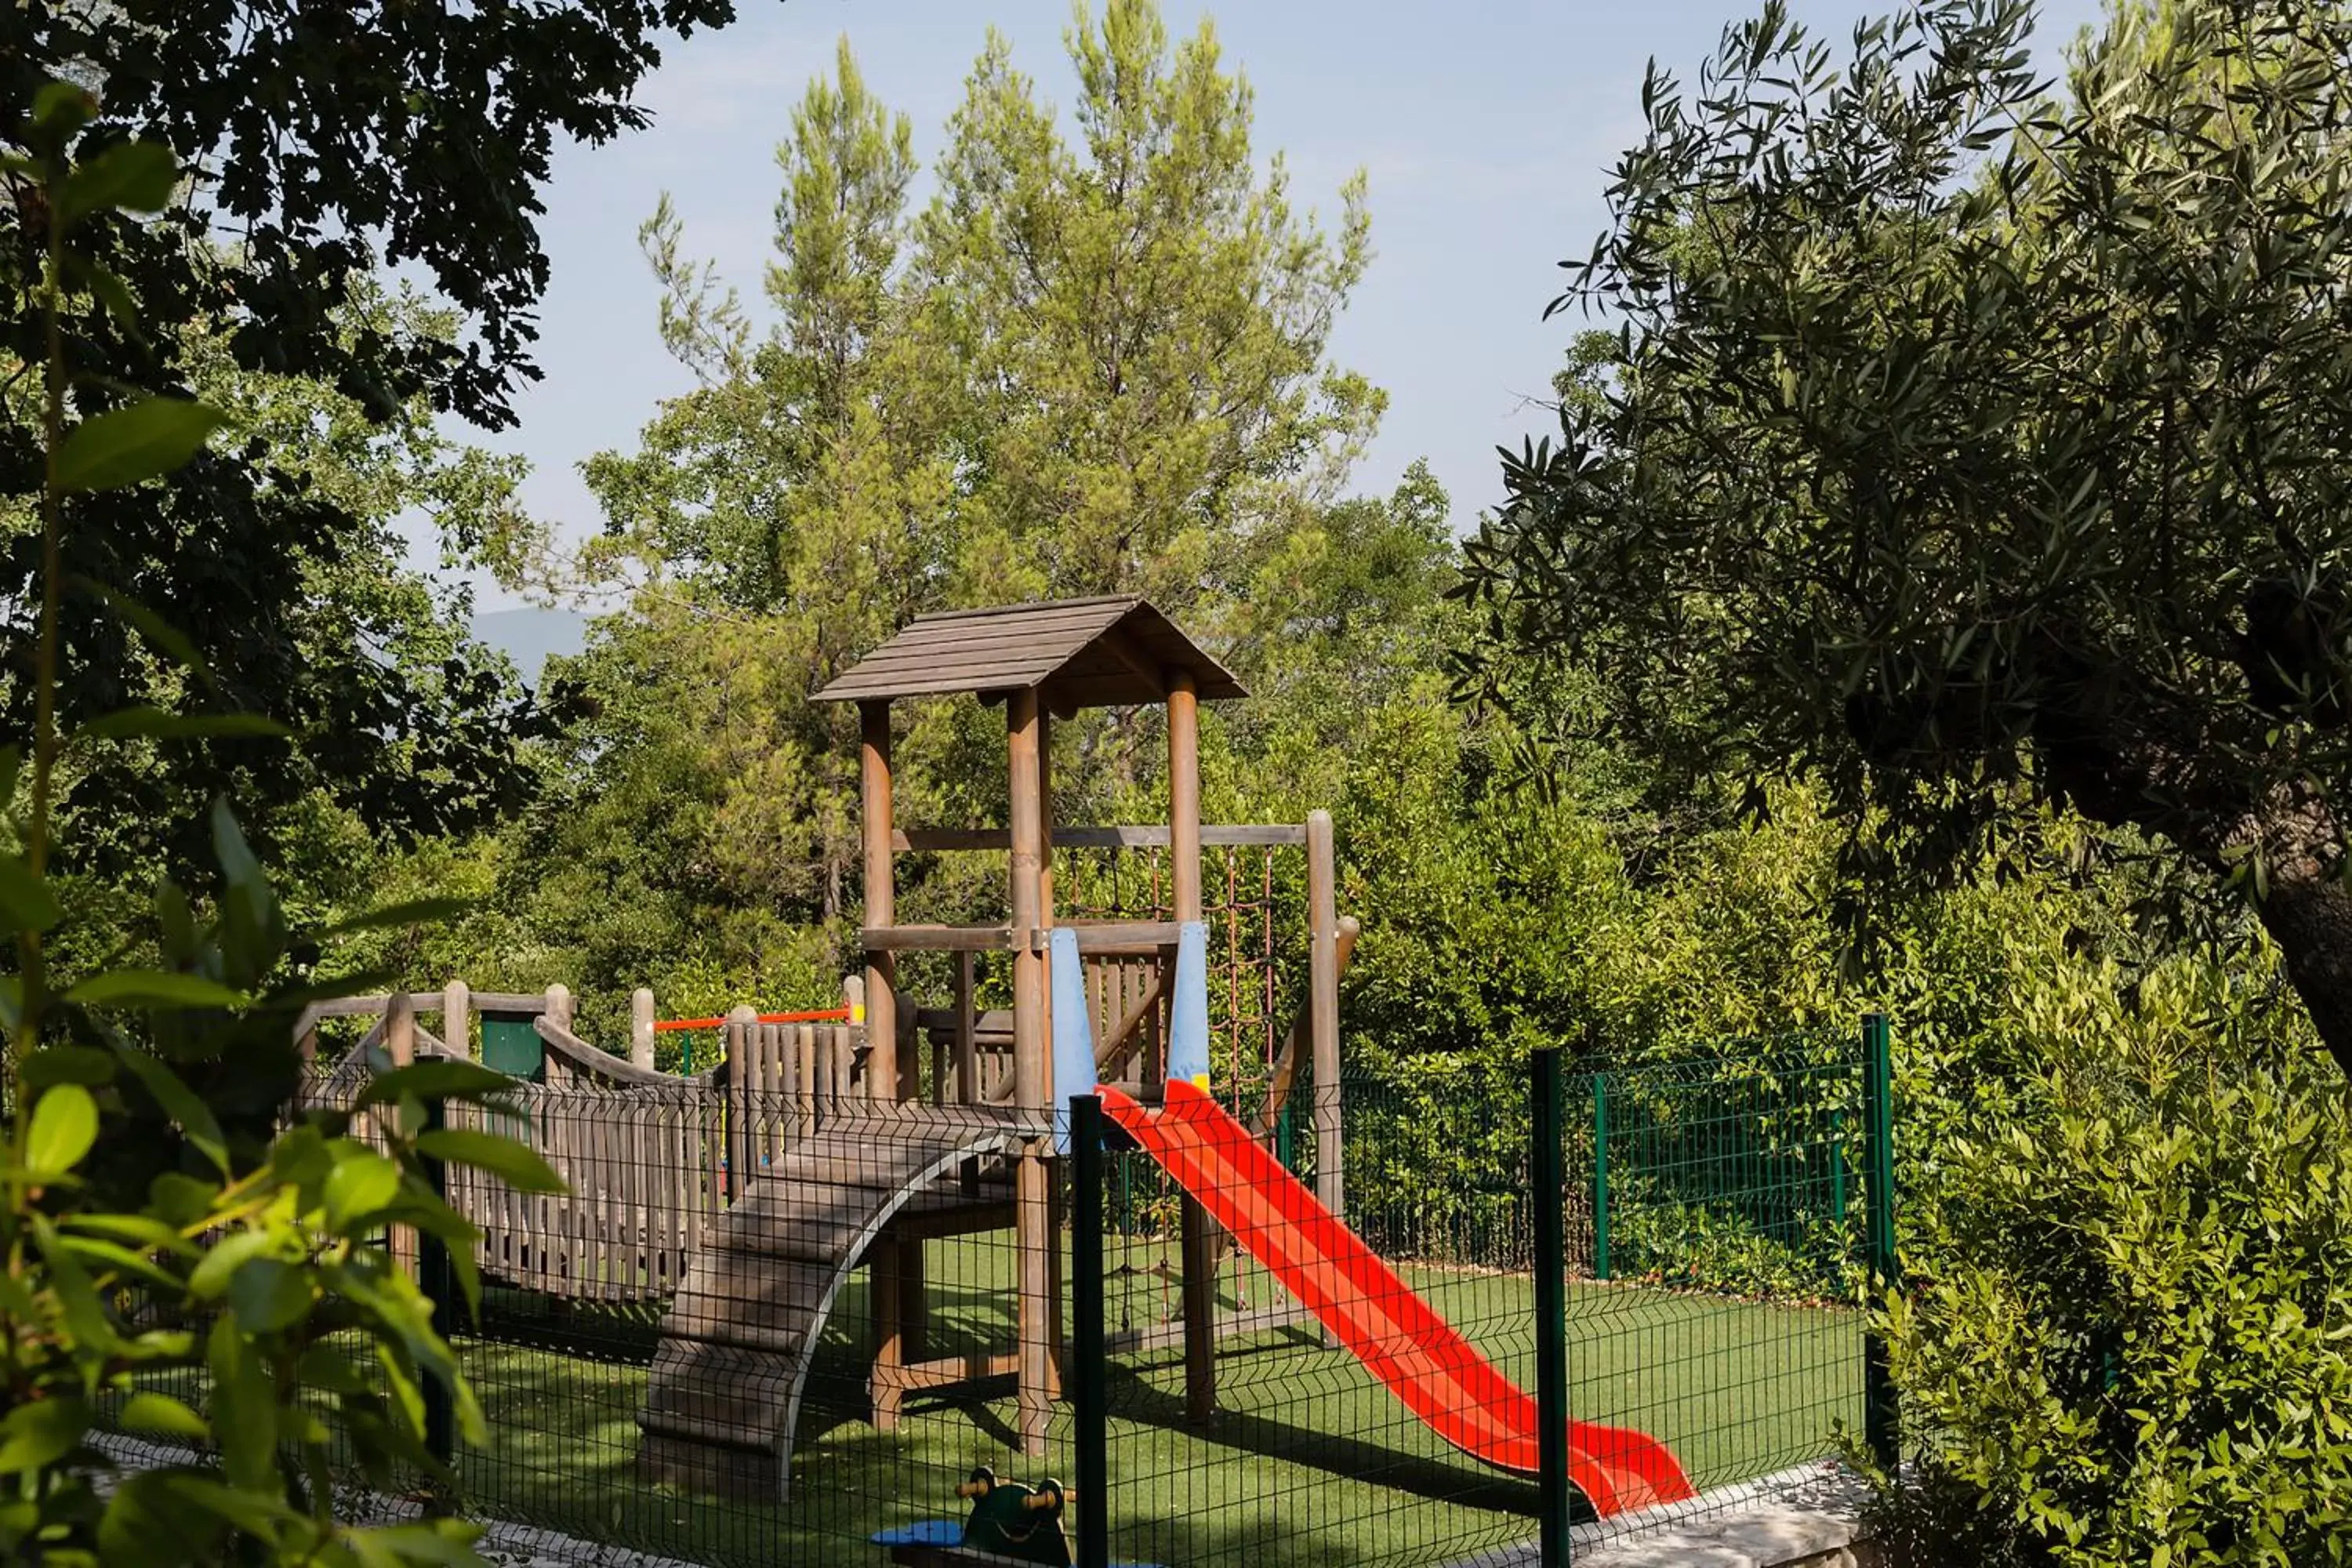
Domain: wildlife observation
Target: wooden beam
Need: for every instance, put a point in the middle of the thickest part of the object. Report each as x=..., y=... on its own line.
x=1200, y=1251
x=943, y=1372
x=881, y=898
x=420, y=1002
x=1125, y=649
x=1107, y=1052
x=1139, y=835
x=640, y=1028
x=457, y=1018
x=1256, y=1320
x=976, y=1216
x=511, y=1002
x=1119, y=1043
x=1045, y=883
x=967, y=1030
x=932, y=938
x=884, y=1378
x=1128, y=938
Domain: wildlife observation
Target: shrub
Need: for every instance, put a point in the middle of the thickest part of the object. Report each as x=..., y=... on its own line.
x=2128, y=1330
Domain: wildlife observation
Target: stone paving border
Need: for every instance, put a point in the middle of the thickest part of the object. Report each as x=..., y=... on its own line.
x=1808, y=1514
x=515, y=1545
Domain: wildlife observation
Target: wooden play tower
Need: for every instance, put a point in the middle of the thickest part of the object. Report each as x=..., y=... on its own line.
x=909, y=1156
x=1041, y=661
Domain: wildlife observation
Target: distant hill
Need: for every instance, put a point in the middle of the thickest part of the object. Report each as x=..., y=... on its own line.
x=529, y=635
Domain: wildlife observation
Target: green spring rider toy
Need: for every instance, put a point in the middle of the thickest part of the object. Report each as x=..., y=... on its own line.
x=1007, y=1520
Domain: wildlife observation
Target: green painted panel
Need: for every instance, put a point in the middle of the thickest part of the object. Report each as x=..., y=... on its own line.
x=510, y=1045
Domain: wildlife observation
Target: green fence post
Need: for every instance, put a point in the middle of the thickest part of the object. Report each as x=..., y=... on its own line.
x=1549, y=1196
x=1880, y=1418
x=1086, y=1333
x=438, y=1280
x=1600, y=1174
x=1837, y=1167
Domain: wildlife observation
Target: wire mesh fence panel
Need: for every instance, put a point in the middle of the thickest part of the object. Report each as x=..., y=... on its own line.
x=1721, y=1310
x=843, y=1342
x=1304, y=1400
x=772, y=1314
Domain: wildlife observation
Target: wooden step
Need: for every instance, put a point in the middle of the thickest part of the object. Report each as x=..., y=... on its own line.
x=743, y=1327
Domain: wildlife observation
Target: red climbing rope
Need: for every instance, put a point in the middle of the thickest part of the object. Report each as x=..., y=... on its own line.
x=830, y=1015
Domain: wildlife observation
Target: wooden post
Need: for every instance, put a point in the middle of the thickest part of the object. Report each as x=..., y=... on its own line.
x=457, y=1018
x=1031, y=1089
x=561, y=1009
x=1054, y=1215
x=1200, y=1247
x=885, y=1385
x=1184, y=794
x=967, y=1031
x=1323, y=1008
x=640, y=1028
x=967, y=1088
x=400, y=1045
x=914, y=1304
x=400, y=1028
x=741, y=1036
x=881, y=904
x=1323, y=957
x=1045, y=885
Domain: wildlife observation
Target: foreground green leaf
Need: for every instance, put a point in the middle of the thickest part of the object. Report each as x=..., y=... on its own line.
x=134, y=176
x=125, y=445
x=152, y=988
x=65, y=1125
x=507, y=1159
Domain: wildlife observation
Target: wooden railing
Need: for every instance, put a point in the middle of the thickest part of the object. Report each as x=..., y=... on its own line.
x=650, y=1159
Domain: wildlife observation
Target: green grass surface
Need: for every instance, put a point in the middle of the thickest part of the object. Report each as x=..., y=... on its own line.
x=1308, y=1460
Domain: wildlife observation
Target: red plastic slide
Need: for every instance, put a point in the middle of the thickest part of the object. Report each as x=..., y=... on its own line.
x=1399, y=1336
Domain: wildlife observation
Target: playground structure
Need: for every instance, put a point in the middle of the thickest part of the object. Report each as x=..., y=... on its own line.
x=976, y=1153
x=743, y=1197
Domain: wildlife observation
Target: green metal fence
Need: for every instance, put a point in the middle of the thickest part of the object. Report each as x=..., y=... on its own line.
x=1680, y=1249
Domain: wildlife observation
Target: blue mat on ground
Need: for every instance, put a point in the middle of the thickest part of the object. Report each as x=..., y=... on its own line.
x=946, y=1533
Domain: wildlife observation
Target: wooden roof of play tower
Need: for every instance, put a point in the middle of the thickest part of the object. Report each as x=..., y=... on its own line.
x=1085, y=653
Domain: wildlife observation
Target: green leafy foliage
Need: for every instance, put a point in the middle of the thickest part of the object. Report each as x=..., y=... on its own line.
x=1972, y=446
x=2124, y=1339
x=160, y=1220
x=280, y=408
x=929, y=423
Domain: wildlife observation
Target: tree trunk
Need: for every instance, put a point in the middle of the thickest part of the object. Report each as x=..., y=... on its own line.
x=2310, y=917
x=2302, y=901
x=2217, y=815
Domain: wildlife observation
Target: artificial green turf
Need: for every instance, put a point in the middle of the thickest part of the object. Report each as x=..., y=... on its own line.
x=1308, y=1460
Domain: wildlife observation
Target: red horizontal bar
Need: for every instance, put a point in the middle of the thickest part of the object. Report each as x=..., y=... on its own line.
x=831, y=1015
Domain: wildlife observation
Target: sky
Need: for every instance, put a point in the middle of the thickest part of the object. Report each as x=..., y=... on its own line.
x=1485, y=128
